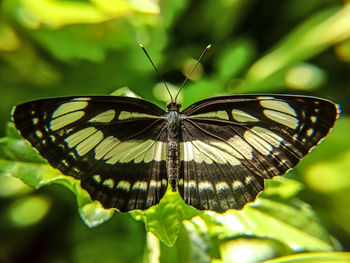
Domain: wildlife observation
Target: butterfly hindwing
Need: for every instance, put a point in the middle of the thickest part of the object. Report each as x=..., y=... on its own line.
x=217, y=174
x=230, y=144
x=116, y=146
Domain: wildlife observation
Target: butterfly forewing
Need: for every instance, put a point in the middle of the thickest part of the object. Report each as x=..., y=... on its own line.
x=230, y=144
x=116, y=146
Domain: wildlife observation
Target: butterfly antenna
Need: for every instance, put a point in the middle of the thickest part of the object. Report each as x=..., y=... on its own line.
x=160, y=76
x=195, y=66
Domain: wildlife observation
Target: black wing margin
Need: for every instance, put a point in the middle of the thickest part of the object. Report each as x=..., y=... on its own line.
x=114, y=145
x=231, y=144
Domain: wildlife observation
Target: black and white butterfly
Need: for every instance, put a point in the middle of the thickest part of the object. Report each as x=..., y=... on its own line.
x=216, y=153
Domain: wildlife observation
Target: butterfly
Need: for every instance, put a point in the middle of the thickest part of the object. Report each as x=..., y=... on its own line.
x=216, y=153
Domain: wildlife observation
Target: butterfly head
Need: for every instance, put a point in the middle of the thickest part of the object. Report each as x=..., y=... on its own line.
x=173, y=105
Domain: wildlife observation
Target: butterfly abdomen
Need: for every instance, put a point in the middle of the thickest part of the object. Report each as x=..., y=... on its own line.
x=173, y=151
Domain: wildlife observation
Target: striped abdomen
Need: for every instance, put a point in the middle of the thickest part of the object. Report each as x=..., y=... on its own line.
x=173, y=151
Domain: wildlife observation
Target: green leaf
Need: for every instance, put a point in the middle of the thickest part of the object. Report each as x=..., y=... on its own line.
x=56, y=14
x=11, y=131
x=343, y=50
x=328, y=176
x=9, y=40
x=251, y=249
x=235, y=58
x=19, y=159
x=291, y=222
x=276, y=214
x=305, y=76
x=282, y=186
x=93, y=214
x=329, y=257
x=12, y=187
x=29, y=210
x=313, y=36
x=165, y=219
x=190, y=247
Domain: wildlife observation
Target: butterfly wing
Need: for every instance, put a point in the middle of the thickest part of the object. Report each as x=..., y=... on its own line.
x=115, y=146
x=230, y=144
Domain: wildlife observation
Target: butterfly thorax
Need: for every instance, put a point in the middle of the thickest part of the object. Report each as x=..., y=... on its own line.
x=173, y=150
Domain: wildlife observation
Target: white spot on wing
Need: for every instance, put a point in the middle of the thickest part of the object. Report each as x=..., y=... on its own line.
x=35, y=121
x=136, y=151
x=242, y=116
x=309, y=132
x=186, y=152
x=276, y=105
x=259, y=144
x=210, y=152
x=269, y=136
x=105, y=146
x=203, y=152
x=65, y=120
x=313, y=119
x=191, y=184
x=89, y=143
x=118, y=151
x=155, y=184
x=248, y=179
x=79, y=136
x=156, y=152
x=38, y=134
x=124, y=185
x=237, y=184
x=205, y=186
x=109, y=183
x=69, y=107
x=140, y=185
x=97, y=178
x=229, y=153
x=282, y=118
x=242, y=147
x=222, y=186
x=125, y=115
x=104, y=117
x=213, y=114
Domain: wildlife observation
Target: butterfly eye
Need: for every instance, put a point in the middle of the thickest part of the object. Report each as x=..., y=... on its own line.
x=168, y=104
x=178, y=103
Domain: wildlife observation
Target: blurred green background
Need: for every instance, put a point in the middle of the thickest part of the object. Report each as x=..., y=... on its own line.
x=52, y=48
